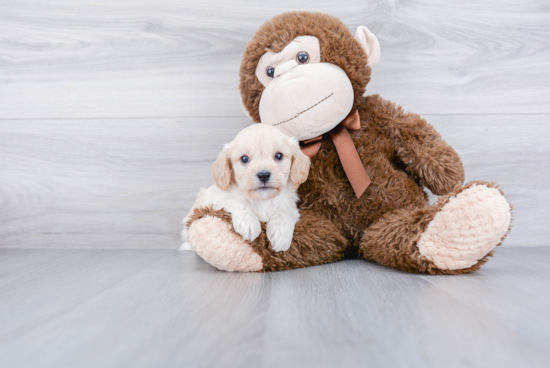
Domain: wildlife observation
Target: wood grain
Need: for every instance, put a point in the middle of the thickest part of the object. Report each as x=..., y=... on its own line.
x=112, y=112
x=514, y=151
x=104, y=59
x=522, y=281
x=111, y=184
x=82, y=274
x=132, y=308
x=128, y=183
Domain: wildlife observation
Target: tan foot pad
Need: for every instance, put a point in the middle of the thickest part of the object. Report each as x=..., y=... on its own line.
x=466, y=229
x=216, y=243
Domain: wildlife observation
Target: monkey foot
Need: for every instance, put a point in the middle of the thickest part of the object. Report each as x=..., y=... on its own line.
x=215, y=241
x=467, y=228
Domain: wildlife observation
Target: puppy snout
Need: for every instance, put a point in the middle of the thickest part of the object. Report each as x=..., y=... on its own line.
x=263, y=176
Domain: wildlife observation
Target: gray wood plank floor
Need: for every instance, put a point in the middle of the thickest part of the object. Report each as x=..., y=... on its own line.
x=163, y=308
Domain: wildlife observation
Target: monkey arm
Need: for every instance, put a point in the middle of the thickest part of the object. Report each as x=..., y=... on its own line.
x=417, y=145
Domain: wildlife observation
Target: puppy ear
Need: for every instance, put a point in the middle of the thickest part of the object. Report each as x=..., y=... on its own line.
x=222, y=170
x=299, y=169
x=370, y=44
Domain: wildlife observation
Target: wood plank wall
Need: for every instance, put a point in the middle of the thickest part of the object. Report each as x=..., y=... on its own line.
x=111, y=112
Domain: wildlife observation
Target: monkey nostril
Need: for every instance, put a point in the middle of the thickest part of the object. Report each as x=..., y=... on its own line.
x=263, y=176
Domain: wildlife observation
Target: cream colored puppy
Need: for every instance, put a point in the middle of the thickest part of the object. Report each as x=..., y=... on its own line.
x=256, y=177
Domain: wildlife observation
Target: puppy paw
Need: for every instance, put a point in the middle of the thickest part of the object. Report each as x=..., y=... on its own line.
x=279, y=234
x=247, y=225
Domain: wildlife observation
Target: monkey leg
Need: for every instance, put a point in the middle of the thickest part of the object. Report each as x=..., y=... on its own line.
x=453, y=236
x=316, y=241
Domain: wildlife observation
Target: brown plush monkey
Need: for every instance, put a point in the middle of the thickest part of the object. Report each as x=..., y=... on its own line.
x=306, y=73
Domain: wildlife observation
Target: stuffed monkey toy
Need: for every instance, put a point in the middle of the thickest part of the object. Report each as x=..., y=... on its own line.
x=306, y=74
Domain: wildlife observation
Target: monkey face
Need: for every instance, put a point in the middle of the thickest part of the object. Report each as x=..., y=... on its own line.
x=305, y=72
x=303, y=97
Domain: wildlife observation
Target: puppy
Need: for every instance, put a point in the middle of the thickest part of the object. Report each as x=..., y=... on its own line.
x=256, y=178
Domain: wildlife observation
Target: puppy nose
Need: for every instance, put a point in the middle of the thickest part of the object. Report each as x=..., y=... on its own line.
x=263, y=176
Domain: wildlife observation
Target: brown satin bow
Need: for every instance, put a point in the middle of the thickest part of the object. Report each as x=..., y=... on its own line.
x=353, y=167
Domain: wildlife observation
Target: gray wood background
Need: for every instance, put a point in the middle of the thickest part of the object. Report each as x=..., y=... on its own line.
x=111, y=112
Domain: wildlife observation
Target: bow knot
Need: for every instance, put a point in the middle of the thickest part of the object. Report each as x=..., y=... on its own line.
x=353, y=167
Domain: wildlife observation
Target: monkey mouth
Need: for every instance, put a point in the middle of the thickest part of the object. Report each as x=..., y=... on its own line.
x=301, y=112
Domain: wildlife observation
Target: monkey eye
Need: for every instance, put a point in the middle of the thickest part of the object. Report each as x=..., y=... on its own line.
x=270, y=71
x=302, y=57
x=278, y=156
x=245, y=159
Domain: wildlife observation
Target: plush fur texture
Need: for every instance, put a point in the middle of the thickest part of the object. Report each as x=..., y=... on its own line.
x=467, y=227
x=216, y=242
x=338, y=47
x=214, y=239
x=401, y=230
x=240, y=191
x=402, y=155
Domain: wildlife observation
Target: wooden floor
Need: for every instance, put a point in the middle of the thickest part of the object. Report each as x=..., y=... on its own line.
x=163, y=308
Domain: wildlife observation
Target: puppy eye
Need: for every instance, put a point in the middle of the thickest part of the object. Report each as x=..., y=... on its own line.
x=270, y=72
x=278, y=156
x=302, y=57
x=245, y=159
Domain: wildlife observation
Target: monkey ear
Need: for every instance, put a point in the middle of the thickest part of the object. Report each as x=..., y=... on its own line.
x=370, y=44
x=222, y=170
